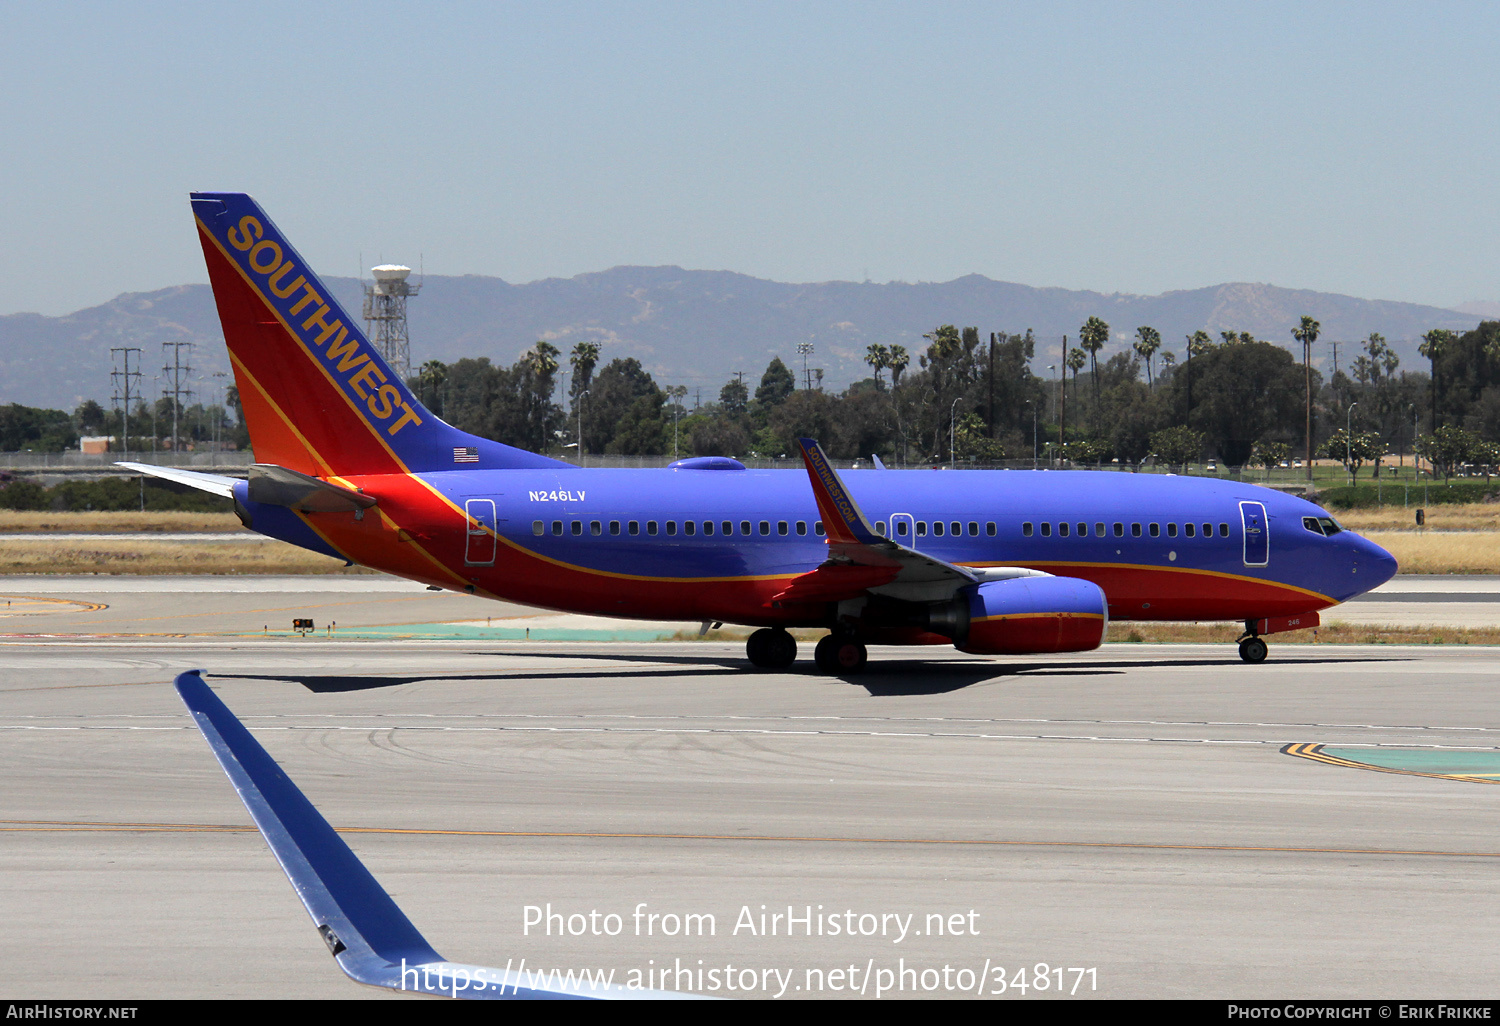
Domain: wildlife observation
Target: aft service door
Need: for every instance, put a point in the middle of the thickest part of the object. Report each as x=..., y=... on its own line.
x=1257, y=534
x=479, y=547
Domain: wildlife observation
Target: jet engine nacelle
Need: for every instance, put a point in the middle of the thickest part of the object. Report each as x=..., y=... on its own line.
x=1035, y=614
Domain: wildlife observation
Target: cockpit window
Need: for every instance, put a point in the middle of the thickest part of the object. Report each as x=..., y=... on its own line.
x=1331, y=526
x=1311, y=523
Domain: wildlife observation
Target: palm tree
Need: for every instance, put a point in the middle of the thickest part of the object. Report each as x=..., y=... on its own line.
x=878, y=357
x=896, y=360
x=1197, y=343
x=1307, y=334
x=1092, y=337
x=1433, y=344
x=1148, y=341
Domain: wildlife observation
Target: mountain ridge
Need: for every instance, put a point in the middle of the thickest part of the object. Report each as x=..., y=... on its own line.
x=697, y=327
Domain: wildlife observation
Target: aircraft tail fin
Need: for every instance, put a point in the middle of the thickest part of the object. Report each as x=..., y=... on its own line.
x=318, y=398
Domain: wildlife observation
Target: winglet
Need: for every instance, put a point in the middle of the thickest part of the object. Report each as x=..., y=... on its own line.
x=842, y=519
x=370, y=937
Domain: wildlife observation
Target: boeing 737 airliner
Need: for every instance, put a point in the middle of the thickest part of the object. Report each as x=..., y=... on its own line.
x=993, y=562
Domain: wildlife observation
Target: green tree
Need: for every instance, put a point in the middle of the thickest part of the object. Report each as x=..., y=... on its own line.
x=1092, y=337
x=1352, y=450
x=897, y=362
x=1446, y=448
x=776, y=385
x=1147, y=342
x=878, y=357
x=1245, y=392
x=1177, y=446
x=1434, y=345
x=624, y=411
x=584, y=358
x=1307, y=334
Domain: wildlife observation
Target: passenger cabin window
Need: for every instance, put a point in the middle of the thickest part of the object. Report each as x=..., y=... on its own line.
x=937, y=528
x=728, y=527
x=614, y=527
x=1098, y=530
x=818, y=528
x=1187, y=529
x=955, y=528
x=782, y=527
x=901, y=528
x=708, y=528
x=1171, y=530
x=880, y=528
x=671, y=527
x=1223, y=530
x=1046, y=529
x=1119, y=530
x=1083, y=530
x=765, y=527
x=1155, y=530
x=1135, y=530
x=802, y=527
x=651, y=527
x=537, y=527
x=634, y=527
x=577, y=527
x=1208, y=530
x=1026, y=530
x=921, y=528
x=989, y=528
x=745, y=528
x=973, y=529
x=596, y=528
x=557, y=527
x=689, y=528
x=1062, y=529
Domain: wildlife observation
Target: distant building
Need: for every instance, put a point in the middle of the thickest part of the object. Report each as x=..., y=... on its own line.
x=95, y=443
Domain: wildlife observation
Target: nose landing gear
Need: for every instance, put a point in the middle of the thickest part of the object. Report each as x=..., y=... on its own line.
x=1252, y=650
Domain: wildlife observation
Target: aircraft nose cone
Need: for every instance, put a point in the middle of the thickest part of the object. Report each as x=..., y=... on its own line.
x=1373, y=566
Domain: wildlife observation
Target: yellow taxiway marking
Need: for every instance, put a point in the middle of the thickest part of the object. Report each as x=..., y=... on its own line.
x=26, y=605
x=65, y=826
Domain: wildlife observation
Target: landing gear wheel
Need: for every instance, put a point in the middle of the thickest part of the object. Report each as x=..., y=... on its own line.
x=839, y=655
x=1253, y=650
x=771, y=648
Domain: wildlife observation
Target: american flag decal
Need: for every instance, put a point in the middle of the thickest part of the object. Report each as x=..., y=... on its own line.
x=465, y=454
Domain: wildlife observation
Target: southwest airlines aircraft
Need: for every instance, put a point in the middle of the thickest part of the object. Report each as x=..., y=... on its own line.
x=992, y=562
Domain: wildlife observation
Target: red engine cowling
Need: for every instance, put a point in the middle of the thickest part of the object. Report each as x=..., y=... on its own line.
x=1035, y=614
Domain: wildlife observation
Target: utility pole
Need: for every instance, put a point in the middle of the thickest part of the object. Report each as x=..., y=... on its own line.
x=806, y=349
x=127, y=384
x=174, y=372
x=989, y=409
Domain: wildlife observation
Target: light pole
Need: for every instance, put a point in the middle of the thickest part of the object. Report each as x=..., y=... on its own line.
x=581, y=396
x=1032, y=404
x=1349, y=441
x=1053, y=368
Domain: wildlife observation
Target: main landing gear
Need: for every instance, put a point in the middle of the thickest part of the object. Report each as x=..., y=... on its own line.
x=771, y=648
x=840, y=654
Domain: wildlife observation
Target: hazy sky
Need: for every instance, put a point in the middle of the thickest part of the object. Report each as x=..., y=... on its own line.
x=1132, y=147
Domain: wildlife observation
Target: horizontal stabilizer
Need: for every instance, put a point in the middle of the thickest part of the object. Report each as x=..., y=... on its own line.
x=278, y=486
x=370, y=937
x=193, y=479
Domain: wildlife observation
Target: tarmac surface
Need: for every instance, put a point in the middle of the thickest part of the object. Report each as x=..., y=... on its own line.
x=1129, y=811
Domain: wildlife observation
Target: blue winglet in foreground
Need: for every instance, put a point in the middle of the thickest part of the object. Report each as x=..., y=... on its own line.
x=370, y=937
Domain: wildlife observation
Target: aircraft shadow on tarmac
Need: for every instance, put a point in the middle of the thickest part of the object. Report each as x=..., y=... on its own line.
x=884, y=678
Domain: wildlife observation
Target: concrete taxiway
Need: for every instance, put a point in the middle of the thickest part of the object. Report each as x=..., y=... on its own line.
x=1129, y=811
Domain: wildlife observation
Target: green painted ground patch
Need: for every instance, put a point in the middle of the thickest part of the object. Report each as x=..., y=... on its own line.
x=1482, y=767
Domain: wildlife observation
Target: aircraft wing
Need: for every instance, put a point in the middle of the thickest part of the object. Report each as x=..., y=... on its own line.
x=369, y=936
x=861, y=560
